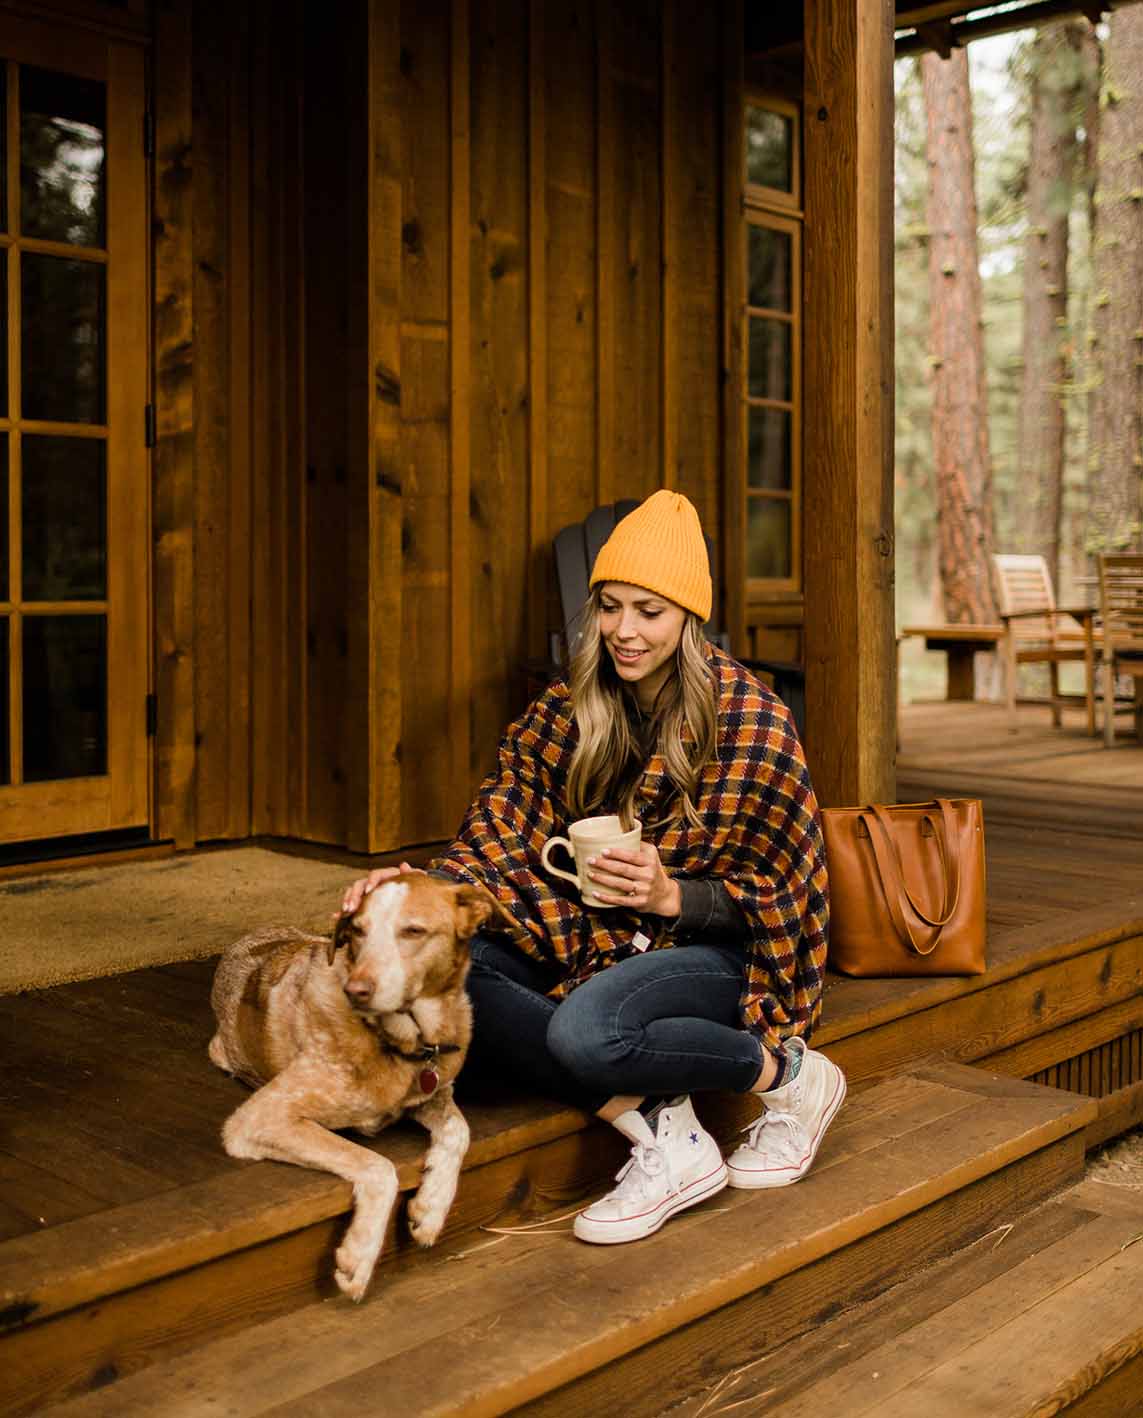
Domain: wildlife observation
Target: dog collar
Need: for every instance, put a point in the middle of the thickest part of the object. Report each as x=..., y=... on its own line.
x=427, y=1054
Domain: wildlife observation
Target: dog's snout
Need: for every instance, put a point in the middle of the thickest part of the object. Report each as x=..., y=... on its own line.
x=358, y=990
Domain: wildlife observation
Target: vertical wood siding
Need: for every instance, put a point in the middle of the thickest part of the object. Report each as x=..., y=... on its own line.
x=501, y=482
x=174, y=475
x=457, y=277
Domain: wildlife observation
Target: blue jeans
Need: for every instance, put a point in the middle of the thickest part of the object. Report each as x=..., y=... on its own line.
x=662, y=1023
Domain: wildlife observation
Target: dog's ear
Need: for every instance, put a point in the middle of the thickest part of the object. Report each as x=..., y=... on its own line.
x=341, y=934
x=476, y=906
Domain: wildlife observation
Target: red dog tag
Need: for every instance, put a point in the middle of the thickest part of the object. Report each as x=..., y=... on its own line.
x=429, y=1080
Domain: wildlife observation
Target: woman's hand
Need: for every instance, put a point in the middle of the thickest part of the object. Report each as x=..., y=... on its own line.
x=361, y=888
x=636, y=880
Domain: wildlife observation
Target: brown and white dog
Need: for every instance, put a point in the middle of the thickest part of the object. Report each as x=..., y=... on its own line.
x=352, y=1032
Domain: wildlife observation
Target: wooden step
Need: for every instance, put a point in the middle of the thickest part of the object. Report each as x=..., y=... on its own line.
x=913, y=1166
x=1044, y=1313
x=92, y=1299
x=1040, y=979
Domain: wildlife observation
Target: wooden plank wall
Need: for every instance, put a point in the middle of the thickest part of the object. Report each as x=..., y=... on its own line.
x=174, y=459
x=456, y=276
x=276, y=384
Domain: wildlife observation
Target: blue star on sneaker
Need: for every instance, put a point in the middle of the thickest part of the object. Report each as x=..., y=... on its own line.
x=694, y=1139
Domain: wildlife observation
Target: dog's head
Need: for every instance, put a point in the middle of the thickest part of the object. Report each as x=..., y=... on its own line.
x=409, y=940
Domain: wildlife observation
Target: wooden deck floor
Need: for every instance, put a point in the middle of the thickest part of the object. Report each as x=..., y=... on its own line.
x=107, y=1097
x=1063, y=815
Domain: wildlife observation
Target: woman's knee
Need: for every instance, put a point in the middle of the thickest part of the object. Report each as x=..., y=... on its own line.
x=589, y=1041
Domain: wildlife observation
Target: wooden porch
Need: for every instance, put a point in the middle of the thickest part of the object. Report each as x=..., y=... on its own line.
x=142, y=1271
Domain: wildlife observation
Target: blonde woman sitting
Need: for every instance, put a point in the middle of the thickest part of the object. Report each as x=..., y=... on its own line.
x=703, y=969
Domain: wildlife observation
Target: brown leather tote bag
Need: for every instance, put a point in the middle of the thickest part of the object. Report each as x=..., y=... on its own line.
x=906, y=888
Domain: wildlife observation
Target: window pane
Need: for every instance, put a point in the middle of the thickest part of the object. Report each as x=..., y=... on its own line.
x=64, y=495
x=768, y=448
x=4, y=734
x=768, y=553
x=65, y=696
x=62, y=324
x=62, y=128
x=770, y=373
x=769, y=149
x=769, y=263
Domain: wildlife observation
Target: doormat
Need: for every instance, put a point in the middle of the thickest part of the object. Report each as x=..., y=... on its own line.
x=105, y=920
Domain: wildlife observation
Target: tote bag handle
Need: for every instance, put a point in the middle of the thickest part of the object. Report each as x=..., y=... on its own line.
x=887, y=855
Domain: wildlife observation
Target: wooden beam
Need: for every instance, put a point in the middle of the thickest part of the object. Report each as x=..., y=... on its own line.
x=945, y=35
x=850, y=649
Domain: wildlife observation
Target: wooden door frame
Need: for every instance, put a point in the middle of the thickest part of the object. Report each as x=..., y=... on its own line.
x=121, y=798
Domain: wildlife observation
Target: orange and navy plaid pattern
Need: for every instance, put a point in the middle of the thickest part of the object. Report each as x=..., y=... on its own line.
x=760, y=835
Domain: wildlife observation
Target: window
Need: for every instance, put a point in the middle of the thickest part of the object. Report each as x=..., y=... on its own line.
x=772, y=336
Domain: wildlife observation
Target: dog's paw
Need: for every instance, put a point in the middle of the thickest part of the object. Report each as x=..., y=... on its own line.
x=358, y=1252
x=353, y=1273
x=426, y=1219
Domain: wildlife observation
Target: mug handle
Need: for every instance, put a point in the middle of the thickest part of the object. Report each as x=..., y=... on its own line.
x=556, y=871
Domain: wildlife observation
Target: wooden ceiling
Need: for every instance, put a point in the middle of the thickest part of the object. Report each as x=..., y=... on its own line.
x=921, y=24
x=944, y=24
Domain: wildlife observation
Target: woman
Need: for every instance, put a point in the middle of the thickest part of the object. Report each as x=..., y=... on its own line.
x=589, y=1004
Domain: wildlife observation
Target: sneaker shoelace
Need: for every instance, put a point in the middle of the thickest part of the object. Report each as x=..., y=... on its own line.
x=773, y=1119
x=645, y=1164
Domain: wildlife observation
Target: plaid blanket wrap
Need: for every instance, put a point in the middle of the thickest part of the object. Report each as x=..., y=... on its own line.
x=760, y=835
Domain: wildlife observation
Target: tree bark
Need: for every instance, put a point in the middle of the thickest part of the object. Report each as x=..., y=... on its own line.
x=1057, y=89
x=1115, y=464
x=961, y=457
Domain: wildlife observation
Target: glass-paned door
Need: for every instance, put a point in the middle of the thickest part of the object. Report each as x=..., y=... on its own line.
x=74, y=512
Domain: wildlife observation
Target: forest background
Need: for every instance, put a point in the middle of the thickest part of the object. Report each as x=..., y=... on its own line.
x=1019, y=315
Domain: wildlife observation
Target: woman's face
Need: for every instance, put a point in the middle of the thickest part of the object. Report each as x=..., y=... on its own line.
x=641, y=632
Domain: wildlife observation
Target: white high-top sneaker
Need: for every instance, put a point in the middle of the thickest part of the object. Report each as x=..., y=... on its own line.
x=670, y=1168
x=784, y=1140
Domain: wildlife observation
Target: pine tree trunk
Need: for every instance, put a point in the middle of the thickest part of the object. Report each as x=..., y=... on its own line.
x=1055, y=91
x=961, y=457
x=1115, y=464
x=1084, y=354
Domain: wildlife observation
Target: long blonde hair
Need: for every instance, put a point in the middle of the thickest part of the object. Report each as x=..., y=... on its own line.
x=607, y=764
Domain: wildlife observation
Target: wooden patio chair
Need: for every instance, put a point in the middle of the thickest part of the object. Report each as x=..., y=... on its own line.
x=1035, y=632
x=1121, y=612
x=576, y=547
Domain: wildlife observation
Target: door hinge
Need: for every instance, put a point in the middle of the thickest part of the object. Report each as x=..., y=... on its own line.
x=148, y=134
x=152, y=715
x=149, y=425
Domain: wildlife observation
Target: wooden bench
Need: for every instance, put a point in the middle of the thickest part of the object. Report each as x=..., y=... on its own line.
x=960, y=644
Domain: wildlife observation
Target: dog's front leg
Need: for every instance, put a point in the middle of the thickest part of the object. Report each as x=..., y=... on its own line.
x=448, y=1142
x=277, y=1123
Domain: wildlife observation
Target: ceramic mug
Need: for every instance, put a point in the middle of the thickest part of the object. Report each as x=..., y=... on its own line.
x=586, y=838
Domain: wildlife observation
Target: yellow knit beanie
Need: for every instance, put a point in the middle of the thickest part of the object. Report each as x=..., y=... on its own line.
x=660, y=547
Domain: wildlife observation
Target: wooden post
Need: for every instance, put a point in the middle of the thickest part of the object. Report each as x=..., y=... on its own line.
x=850, y=661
